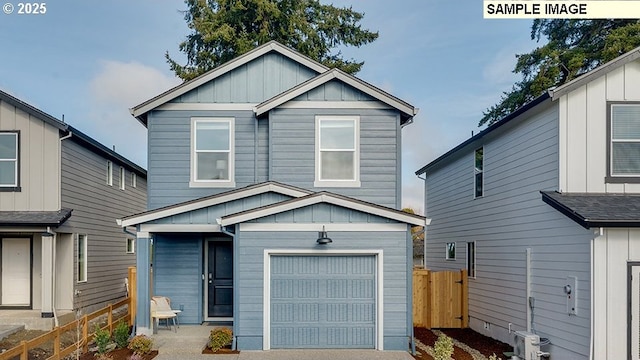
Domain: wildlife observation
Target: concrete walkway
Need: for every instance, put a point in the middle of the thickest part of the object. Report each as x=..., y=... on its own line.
x=189, y=340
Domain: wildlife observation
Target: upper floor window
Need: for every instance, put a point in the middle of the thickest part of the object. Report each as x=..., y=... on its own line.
x=624, y=142
x=134, y=179
x=122, y=175
x=109, y=173
x=9, y=154
x=212, y=155
x=337, y=151
x=478, y=173
x=82, y=258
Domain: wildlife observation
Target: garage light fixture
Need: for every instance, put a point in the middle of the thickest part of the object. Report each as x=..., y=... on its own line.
x=323, y=239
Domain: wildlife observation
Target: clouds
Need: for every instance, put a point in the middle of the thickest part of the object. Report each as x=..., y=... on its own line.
x=115, y=88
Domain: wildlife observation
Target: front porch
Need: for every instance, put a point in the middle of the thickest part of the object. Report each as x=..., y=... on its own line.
x=33, y=320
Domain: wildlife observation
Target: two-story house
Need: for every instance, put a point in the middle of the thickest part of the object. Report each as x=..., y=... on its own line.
x=60, y=193
x=543, y=209
x=274, y=201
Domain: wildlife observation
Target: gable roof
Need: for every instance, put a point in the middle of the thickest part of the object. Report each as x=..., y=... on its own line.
x=251, y=190
x=81, y=137
x=32, y=110
x=408, y=111
x=324, y=197
x=514, y=115
x=596, y=210
x=140, y=111
x=595, y=73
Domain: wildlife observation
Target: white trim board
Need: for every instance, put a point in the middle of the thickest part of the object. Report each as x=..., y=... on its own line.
x=211, y=201
x=183, y=228
x=207, y=106
x=323, y=197
x=347, y=227
x=266, y=286
x=139, y=110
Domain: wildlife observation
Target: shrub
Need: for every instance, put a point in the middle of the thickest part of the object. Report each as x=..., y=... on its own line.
x=494, y=357
x=219, y=338
x=443, y=348
x=101, y=337
x=140, y=345
x=121, y=334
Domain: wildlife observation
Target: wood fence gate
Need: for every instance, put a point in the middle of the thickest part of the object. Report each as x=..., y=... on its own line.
x=440, y=299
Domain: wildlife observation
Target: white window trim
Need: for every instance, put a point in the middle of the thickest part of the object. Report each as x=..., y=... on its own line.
x=213, y=183
x=446, y=251
x=123, y=174
x=476, y=172
x=134, y=180
x=612, y=141
x=266, y=287
x=16, y=160
x=109, y=173
x=338, y=183
x=86, y=258
x=132, y=249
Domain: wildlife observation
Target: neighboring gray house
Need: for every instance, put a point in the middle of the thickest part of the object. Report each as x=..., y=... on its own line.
x=60, y=193
x=252, y=165
x=543, y=209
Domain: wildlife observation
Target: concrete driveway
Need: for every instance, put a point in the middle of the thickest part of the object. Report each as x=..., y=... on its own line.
x=188, y=341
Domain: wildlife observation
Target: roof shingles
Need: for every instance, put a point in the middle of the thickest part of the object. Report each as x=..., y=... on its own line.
x=597, y=209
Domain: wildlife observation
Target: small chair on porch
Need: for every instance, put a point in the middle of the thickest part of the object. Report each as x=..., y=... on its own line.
x=161, y=310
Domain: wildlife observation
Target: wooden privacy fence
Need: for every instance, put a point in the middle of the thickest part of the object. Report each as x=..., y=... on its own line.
x=80, y=328
x=440, y=299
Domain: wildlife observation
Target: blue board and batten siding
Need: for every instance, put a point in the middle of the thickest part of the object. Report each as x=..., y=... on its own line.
x=177, y=273
x=254, y=82
x=520, y=160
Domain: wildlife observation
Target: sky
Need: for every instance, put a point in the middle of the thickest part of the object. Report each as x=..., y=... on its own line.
x=90, y=61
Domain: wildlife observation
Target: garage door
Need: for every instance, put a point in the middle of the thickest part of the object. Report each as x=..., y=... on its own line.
x=323, y=301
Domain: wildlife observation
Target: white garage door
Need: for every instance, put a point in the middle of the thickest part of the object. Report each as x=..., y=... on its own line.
x=323, y=301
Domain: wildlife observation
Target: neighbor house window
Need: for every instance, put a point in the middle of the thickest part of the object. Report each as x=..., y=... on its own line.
x=82, y=257
x=109, y=173
x=9, y=169
x=337, y=151
x=131, y=246
x=471, y=259
x=122, y=174
x=478, y=172
x=624, y=142
x=212, y=158
x=134, y=179
x=450, y=251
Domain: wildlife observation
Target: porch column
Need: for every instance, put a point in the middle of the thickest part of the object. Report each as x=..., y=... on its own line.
x=48, y=246
x=143, y=265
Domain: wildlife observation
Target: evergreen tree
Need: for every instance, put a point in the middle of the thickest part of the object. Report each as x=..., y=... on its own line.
x=225, y=29
x=573, y=48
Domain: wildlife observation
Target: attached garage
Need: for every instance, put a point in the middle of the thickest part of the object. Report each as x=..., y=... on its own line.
x=323, y=301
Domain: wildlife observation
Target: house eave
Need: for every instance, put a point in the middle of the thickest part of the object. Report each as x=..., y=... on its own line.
x=140, y=111
x=507, y=119
x=408, y=111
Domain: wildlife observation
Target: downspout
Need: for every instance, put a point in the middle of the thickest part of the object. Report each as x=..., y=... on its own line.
x=53, y=300
x=529, y=300
x=592, y=291
x=255, y=151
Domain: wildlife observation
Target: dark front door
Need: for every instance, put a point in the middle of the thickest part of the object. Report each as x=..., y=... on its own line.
x=220, y=279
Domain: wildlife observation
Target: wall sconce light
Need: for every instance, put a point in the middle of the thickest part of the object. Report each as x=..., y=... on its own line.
x=323, y=239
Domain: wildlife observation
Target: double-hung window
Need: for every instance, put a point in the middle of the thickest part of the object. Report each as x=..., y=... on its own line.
x=9, y=167
x=337, y=151
x=624, y=142
x=212, y=155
